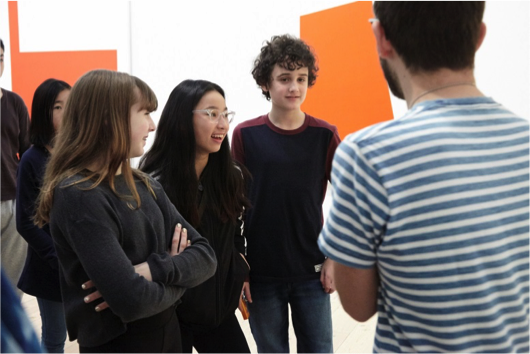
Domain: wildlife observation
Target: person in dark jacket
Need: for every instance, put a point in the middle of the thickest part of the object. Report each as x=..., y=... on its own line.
x=40, y=276
x=191, y=158
x=113, y=226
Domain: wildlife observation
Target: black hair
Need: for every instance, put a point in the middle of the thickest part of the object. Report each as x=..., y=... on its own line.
x=171, y=159
x=431, y=35
x=289, y=53
x=2, y=44
x=41, y=130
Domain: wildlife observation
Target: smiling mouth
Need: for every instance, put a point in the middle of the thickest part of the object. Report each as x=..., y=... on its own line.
x=218, y=136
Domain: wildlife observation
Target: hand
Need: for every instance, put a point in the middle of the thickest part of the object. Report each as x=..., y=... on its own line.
x=245, y=292
x=244, y=298
x=180, y=241
x=326, y=276
x=141, y=269
x=94, y=296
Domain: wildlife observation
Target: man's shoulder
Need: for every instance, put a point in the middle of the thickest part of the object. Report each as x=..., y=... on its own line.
x=372, y=132
x=12, y=96
x=14, y=102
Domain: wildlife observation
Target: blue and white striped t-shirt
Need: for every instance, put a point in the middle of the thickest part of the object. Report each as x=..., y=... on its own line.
x=438, y=201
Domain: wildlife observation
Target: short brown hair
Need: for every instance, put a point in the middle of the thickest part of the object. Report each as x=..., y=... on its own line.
x=432, y=35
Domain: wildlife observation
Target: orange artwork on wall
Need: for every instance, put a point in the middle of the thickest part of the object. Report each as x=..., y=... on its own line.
x=30, y=69
x=350, y=91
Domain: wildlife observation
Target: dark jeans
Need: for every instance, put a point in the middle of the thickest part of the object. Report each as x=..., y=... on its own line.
x=145, y=336
x=227, y=338
x=53, y=325
x=310, y=313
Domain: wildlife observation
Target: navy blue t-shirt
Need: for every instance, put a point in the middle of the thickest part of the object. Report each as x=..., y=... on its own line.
x=290, y=170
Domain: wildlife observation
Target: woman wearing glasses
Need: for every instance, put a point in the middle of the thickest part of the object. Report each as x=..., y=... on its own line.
x=191, y=158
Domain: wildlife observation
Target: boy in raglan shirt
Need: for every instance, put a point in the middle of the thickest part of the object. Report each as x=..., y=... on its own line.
x=289, y=155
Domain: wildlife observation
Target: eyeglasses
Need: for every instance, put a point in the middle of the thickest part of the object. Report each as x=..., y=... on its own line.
x=215, y=114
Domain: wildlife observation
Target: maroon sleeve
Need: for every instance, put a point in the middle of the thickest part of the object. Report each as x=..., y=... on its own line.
x=238, y=151
x=335, y=141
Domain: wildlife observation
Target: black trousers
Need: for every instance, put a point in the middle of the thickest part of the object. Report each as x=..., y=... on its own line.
x=155, y=334
x=227, y=338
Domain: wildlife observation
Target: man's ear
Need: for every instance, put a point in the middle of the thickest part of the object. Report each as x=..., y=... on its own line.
x=264, y=88
x=481, y=35
x=384, y=47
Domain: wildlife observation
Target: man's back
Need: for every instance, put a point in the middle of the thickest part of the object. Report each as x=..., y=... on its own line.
x=441, y=207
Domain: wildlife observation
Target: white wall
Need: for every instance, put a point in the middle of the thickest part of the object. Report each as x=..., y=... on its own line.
x=166, y=42
x=502, y=65
x=212, y=40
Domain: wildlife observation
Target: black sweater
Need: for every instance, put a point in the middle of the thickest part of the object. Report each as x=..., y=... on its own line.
x=98, y=237
x=206, y=306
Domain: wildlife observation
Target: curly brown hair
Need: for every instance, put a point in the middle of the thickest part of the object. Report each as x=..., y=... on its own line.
x=289, y=53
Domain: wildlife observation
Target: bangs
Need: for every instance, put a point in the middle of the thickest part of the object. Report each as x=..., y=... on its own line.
x=147, y=97
x=294, y=62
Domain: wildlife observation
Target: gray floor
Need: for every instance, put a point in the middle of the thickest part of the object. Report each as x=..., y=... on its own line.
x=349, y=336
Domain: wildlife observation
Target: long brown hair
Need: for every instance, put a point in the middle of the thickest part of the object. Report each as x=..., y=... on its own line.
x=94, y=138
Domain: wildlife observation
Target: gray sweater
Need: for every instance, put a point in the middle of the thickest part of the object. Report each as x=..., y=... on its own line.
x=98, y=237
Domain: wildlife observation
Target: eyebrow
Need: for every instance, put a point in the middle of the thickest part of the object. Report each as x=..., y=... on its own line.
x=291, y=73
x=215, y=107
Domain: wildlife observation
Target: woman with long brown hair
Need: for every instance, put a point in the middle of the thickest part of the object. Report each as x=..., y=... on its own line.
x=113, y=225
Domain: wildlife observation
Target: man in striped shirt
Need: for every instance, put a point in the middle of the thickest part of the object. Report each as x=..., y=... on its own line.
x=429, y=221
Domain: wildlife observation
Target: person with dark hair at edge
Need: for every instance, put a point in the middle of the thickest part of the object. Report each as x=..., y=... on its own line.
x=207, y=187
x=15, y=141
x=429, y=220
x=288, y=154
x=40, y=276
x=126, y=255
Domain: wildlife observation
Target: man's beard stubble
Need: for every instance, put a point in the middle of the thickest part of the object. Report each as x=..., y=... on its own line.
x=391, y=79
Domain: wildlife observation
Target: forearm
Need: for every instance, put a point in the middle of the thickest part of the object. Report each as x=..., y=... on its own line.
x=357, y=290
x=188, y=269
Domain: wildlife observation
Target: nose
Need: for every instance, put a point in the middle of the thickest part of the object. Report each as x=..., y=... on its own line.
x=293, y=87
x=222, y=123
x=152, y=125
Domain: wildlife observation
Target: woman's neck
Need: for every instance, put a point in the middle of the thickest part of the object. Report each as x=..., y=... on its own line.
x=200, y=163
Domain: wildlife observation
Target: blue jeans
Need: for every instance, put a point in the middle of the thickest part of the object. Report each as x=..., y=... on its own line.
x=53, y=325
x=311, y=316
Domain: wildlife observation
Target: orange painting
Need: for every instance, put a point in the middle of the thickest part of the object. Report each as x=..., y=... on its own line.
x=30, y=69
x=350, y=91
